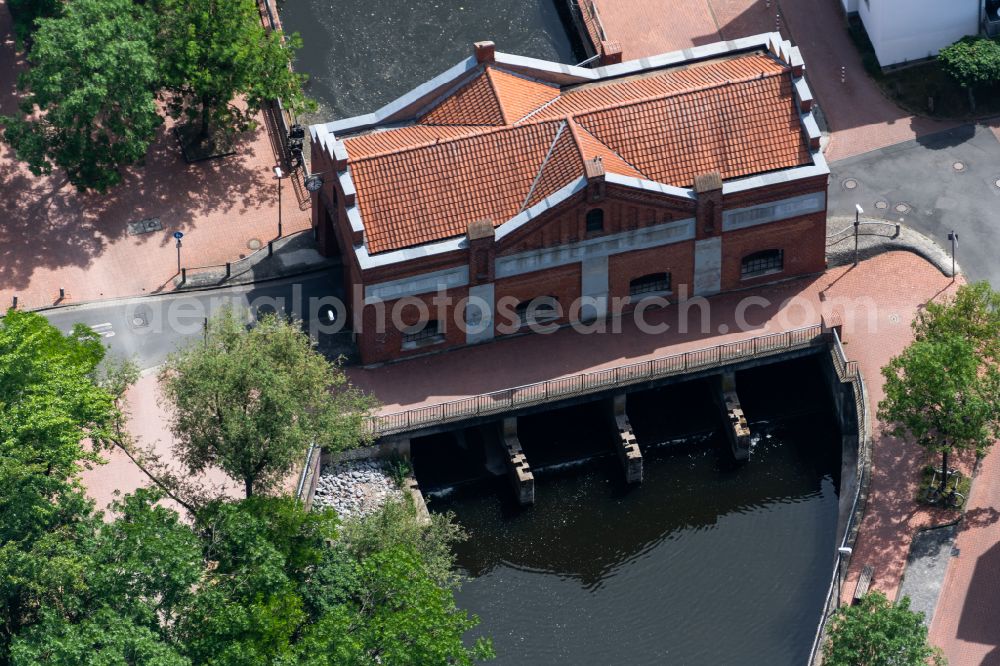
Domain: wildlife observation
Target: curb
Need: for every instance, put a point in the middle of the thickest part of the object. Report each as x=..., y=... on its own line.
x=873, y=242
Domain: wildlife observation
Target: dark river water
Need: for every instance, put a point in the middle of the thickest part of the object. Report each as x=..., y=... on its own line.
x=361, y=54
x=707, y=562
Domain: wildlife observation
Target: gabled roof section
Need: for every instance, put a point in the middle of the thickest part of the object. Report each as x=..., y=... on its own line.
x=736, y=129
x=498, y=134
x=493, y=97
x=434, y=191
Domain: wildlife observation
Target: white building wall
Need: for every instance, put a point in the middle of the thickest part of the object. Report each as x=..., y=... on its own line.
x=906, y=30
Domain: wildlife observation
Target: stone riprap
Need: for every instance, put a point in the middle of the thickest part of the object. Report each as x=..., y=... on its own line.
x=355, y=488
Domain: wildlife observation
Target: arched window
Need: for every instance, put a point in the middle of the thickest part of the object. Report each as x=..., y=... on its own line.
x=537, y=310
x=649, y=284
x=595, y=219
x=762, y=263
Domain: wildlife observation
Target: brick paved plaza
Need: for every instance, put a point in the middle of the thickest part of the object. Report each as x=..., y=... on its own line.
x=53, y=237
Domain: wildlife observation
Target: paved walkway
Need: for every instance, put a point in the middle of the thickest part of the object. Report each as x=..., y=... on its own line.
x=965, y=624
x=859, y=116
x=53, y=237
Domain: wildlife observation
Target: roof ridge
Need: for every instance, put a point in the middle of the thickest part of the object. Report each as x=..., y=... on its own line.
x=545, y=161
x=491, y=129
x=679, y=93
x=610, y=149
x=496, y=95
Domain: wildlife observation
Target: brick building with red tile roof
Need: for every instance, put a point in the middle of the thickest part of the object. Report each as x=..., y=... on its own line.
x=506, y=179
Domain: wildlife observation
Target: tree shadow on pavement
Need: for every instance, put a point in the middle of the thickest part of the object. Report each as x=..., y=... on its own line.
x=978, y=623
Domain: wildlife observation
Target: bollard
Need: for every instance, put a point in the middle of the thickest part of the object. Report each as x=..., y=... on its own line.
x=62, y=293
x=229, y=270
x=270, y=248
x=15, y=302
x=184, y=275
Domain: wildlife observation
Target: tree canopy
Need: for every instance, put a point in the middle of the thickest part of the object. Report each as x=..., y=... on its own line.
x=97, y=68
x=93, y=77
x=943, y=390
x=877, y=632
x=258, y=581
x=251, y=402
x=972, y=61
x=215, y=52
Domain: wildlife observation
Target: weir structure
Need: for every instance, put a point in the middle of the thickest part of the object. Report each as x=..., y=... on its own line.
x=497, y=412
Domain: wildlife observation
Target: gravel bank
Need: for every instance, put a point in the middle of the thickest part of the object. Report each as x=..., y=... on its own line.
x=355, y=488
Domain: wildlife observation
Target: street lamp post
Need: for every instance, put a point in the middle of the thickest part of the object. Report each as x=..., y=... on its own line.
x=953, y=237
x=278, y=174
x=178, y=236
x=858, y=212
x=841, y=554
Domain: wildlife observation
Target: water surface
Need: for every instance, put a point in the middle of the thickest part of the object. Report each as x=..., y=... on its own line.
x=708, y=562
x=360, y=55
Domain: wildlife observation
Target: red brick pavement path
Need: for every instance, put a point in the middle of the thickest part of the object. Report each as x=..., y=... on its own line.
x=966, y=622
x=860, y=117
x=51, y=236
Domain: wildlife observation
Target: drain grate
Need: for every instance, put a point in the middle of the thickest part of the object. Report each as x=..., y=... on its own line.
x=149, y=225
x=881, y=205
x=902, y=208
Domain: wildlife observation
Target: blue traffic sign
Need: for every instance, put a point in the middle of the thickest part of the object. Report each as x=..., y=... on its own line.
x=178, y=235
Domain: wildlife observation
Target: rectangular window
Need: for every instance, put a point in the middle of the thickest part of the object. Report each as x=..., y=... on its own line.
x=763, y=263
x=649, y=284
x=419, y=336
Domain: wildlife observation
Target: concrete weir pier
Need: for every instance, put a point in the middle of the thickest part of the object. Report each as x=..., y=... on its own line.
x=737, y=429
x=519, y=471
x=626, y=445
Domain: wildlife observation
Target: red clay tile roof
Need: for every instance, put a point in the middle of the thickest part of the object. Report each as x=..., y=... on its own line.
x=502, y=143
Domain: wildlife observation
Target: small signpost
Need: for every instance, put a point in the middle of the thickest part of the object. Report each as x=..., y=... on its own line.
x=178, y=235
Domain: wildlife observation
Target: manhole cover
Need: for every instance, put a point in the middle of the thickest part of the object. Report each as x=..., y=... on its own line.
x=140, y=319
x=881, y=205
x=253, y=244
x=902, y=208
x=850, y=184
x=958, y=166
x=146, y=226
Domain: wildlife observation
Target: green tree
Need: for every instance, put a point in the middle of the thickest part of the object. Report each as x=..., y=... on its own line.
x=93, y=77
x=215, y=52
x=877, y=632
x=973, y=313
x=26, y=12
x=286, y=588
x=973, y=62
x=252, y=401
x=938, y=395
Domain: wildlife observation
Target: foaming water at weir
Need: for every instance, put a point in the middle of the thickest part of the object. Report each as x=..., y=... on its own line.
x=707, y=561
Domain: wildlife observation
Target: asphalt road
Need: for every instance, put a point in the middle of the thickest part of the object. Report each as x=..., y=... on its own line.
x=148, y=329
x=935, y=197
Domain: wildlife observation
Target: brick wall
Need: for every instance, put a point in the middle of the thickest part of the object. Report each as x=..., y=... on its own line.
x=802, y=239
x=676, y=259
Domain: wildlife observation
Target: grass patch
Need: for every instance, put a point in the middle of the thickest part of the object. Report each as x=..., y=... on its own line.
x=959, y=483
x=923, y=88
